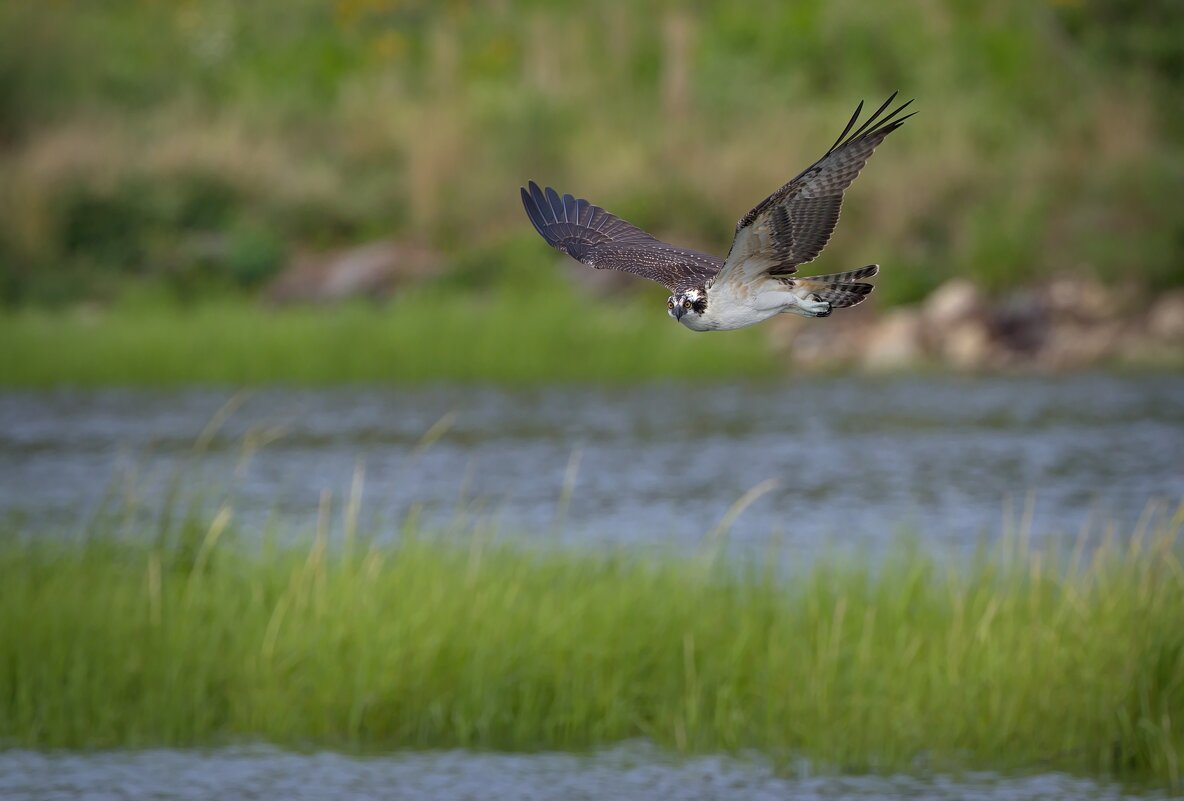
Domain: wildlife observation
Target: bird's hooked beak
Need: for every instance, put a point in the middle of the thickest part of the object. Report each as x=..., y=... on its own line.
x=678, y=311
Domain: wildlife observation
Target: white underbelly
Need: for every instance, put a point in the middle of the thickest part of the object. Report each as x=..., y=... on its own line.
x=730, y=307
x=727, y=320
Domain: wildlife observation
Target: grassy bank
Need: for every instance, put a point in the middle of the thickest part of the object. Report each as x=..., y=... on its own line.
x=202, y=143
x=1010, y=661
x=496, y=336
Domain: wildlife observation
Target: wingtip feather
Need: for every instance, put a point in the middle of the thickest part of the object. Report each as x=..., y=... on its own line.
x=874, y=123
x=556, y=204
x=850, y=123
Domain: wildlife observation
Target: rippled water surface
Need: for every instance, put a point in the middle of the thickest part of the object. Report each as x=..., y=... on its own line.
x=854, y=459
x=629, y=772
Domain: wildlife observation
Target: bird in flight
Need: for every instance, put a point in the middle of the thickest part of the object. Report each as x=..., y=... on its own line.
x=759, y=277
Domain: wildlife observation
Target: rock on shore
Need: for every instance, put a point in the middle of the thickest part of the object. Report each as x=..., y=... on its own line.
x=1066, y=323
x=371, y=270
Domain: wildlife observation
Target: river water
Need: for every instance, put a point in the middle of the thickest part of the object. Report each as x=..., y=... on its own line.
x=629, y=772
x=854, y=460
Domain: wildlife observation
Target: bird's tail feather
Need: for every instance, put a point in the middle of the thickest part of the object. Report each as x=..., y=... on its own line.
x=840, y=289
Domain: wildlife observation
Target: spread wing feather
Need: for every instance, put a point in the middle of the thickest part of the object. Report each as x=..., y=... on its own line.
x=791, y=226
x=591, y=235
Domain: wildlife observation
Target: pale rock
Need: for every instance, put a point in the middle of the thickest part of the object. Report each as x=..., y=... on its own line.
x=1076, y=345
x=822, y=352
x=1165, y=320
x=952, y=303
x=369, y=270
x=895, y=342
x=967, y=346
x=1080, y=298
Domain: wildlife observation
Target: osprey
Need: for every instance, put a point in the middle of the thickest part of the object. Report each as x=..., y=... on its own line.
x=757, y=280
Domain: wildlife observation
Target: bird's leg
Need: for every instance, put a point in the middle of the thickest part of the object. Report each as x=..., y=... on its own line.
x=806, y=304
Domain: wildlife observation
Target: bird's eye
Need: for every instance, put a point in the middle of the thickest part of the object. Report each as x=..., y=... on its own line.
x=686, y=304
x=670, y=304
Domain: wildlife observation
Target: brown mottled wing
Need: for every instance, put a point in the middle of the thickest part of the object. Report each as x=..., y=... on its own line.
x=793, y=225
x=591, y=235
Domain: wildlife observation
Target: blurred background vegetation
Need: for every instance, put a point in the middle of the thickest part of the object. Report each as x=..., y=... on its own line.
x=185, y=149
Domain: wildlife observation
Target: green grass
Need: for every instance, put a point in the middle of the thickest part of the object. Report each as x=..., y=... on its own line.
x=202, y=142
x=1013, y=660
x=494, y=336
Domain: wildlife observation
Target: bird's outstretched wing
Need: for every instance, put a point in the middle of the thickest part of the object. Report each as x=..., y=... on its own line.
x=591, y=235
x=793, y=225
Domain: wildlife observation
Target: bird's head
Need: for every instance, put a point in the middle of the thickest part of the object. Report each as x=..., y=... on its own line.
x=687, y=305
